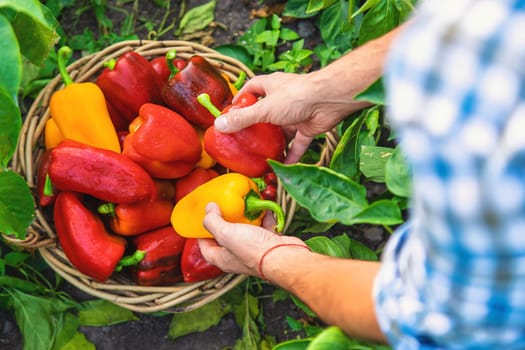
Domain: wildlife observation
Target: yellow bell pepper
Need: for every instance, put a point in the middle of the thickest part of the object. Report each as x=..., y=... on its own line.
x=52, y=134
x=80, y=113
x=238, y=197
x=206, y=161
x=234, y=87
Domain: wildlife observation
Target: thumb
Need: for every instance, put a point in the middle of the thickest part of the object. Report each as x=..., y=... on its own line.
x=240, y=118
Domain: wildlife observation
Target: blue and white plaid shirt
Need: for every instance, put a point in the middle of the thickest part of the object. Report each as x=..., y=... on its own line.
x=454, y=276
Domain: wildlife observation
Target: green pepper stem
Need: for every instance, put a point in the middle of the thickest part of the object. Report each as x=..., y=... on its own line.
x=205, y=100
x=240, y=80
x=110, y=64
x=130, y=260
x=64, y=53
x=48, y=186
x=170, y=56
x=107, y=209
x=253, y=205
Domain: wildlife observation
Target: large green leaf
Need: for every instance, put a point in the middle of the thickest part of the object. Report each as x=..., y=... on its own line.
x=326, y=194
x=11, y=67
x=326, y=246
x=397, y=174
x=100, y=312
x=375, y=93
x=33, y=28
x=317, y=5
x=16, y=204
x=198, y=320
x=297, y=9
x=10, y=124
x=381, y=212
x=345, y=159
x=373, y=160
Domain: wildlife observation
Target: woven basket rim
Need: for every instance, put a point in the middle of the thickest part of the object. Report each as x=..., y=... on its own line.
x=180, y=297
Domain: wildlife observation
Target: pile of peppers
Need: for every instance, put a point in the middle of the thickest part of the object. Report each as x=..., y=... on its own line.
x=132, y=159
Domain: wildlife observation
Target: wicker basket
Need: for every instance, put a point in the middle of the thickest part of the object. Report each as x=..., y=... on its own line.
x=120, y=289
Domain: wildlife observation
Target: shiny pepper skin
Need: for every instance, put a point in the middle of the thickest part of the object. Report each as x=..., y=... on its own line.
x=103, y=174
x=84, y=239
x=194, y=267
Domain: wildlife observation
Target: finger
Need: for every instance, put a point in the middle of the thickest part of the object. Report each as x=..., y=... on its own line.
x=221, y=257
x=254, y=86
x=239, y=118
x=299, y=146
x=269, y=221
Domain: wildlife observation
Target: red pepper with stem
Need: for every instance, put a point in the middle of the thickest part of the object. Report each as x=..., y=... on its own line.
x=167, y=65
x=199, y=76
x=246, y=151
x=128, y=82
x=85, y=241
x=161, y=263
x=193, y=265
x=101, y=173
x=162, y=142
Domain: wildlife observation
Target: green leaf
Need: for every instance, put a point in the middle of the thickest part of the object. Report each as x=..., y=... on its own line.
x=101, y=312
x=78, y=342
x=397, y=174
x=33, y=29
x=297, y=9
x=331, y=23
x=288, y=34
x=18, y=283
x=268, y=37
x=373, y=160
x=16, y=205
x=66, y=329
x=345, y=159
x=325, y=246
x=38, y=317
x=197, y=18
x=318, y=5
x=379, y=20
x=327, y=195
x=332, y=338
x=381, y=212
x=236, y=51
x=198, y=320
x=366, y=6
x=375, y=93
x=10, y=124
x=295, y=344
x=11, y=67
x=360, y=251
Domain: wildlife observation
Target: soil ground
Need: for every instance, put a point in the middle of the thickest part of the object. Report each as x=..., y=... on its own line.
x=233, y=17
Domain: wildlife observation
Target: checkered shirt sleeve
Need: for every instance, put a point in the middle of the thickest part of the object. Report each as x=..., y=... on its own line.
x=453, y=277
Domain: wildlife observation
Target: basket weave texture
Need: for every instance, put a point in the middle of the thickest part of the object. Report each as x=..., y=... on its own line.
x=120, y=289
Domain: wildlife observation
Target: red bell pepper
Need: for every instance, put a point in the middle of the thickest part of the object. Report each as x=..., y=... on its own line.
x=45, y=191
x=128, y=82
x=136, y=218
x=188, y=183
x=248, y=150
x=162, y=142
x=193, y=265
x=103, y=174
x=165, y=66
x=199, y=76
x=84, y=239
x=161, y=263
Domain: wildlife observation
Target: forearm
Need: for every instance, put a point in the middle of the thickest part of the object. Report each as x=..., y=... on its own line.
x=339, y=291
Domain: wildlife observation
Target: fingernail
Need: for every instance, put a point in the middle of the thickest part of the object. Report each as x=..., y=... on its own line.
x=221, y=123
x=209, y=207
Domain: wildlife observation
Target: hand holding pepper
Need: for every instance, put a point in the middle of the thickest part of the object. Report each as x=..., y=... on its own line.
x=246, y=151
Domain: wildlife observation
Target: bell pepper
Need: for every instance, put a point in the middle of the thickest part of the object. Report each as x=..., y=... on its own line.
x=84, y=239
x=162, y=142
x=193, y=265
x=199, y=76
x=128, y=82
x=103, y=174
x=45, y=191
x=161, y=263
x=188, y=183
x=130, y=219
x=236, y=194
x=166, y=65
x=80, y=112
x=235, y=86
x=52, y=134
x=246, y=151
